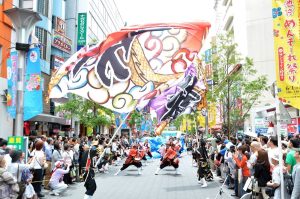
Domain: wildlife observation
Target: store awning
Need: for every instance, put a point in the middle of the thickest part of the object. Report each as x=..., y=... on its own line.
x=50, y=118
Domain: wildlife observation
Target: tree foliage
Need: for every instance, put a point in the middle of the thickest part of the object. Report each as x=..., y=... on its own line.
x=135, y=119
x=238, y=86
x=89, y=113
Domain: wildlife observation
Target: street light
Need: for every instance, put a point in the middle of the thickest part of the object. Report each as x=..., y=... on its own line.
x=24, y=21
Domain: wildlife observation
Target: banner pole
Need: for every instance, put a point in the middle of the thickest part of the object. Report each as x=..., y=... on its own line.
x=112, y=138
x=278, y=122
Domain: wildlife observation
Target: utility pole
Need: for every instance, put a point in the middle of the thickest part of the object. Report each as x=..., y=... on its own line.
x=23, y=21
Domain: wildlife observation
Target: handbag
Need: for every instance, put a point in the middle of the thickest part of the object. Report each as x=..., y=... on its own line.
x=270, y=191
x=73, y=173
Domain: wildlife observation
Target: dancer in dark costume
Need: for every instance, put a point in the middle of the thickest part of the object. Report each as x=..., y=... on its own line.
x=204, y=172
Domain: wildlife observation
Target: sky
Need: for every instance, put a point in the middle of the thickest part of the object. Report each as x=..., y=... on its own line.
x=154, y=11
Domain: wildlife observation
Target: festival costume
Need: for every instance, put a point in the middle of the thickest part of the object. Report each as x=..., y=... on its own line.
x=134, y=158
x=148, y=149
x=89, y=175
x=204, y=172
x=169, y=159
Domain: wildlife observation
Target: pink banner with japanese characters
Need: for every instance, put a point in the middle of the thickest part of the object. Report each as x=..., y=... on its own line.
x=286, y=23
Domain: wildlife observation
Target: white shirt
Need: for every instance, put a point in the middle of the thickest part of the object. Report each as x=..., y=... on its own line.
x=114, y=147
x=276, y=179
x=68, y=157
x=271, y=153
x=38, y=159
x=14, y=167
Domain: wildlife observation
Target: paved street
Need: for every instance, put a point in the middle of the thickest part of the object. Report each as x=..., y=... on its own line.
x=167, y=185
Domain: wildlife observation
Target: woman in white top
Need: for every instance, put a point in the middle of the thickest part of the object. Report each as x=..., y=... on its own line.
x=37, y=162
x=68, y=160
x=16, y=167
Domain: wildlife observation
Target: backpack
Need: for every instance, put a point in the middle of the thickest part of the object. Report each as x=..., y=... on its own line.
x=289, y=184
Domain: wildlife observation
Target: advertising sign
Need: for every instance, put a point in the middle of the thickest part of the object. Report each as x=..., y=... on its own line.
x=17, y=142
x=33, y=98
x=60, y=26
x=293, y=127
x=12, y=78
x=82, y=26
x=286, y=27
x=261, y=126
x=61, y=42
x=57, y=62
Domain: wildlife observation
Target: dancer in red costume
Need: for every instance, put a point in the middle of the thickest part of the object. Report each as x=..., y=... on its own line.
x=134, y=158
x=169, y=159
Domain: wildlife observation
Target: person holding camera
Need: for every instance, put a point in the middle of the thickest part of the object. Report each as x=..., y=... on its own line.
x=56, y=182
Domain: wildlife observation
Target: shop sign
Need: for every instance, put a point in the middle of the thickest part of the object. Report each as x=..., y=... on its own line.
x=293, y=127
x=17, y=142
x=60, y=26
x=82, y=26
x=61, y=42
x=57, y=62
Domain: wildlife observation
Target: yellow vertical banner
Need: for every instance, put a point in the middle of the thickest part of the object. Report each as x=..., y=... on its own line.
x=212, y=115
x=286, y=29
x=183, y=125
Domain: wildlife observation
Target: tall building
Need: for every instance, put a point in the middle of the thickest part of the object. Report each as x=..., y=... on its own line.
x=50, y=36
x=89, y=22
x=252, y=25
x=6, y=122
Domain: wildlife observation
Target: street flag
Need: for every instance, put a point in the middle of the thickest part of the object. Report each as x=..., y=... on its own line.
x=286, y=29
x=12, y=78
x=33, y=98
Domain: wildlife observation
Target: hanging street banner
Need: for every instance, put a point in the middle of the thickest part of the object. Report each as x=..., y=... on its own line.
x=81, y=32
x=286, y=29
x=12, y=78
x=33, y=99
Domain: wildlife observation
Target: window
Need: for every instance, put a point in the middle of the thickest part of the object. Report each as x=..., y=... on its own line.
x=41, y=34
x=43, y=7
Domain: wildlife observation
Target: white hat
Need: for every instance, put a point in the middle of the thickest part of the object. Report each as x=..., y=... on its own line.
x=275, y=157
x=57, y=164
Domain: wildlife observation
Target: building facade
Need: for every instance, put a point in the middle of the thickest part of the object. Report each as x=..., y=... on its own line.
x=89, y=22
x=6, y=122
x=252, y=25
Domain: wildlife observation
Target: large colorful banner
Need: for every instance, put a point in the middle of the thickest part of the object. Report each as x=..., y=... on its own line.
x=12, y=78
x=33, y=98
x=286, y=29
x=132, y=66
